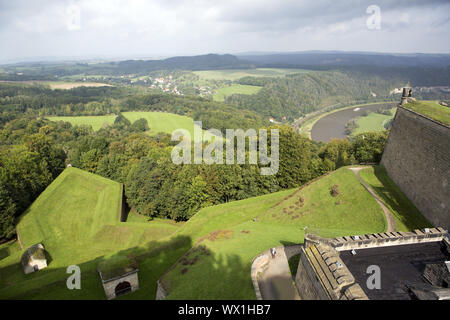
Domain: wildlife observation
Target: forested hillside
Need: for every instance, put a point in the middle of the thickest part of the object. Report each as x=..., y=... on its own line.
x=296, y=95
x=34, y=150
x=17, y=100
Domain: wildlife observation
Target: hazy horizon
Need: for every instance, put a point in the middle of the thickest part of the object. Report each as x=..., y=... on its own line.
x=48, y=30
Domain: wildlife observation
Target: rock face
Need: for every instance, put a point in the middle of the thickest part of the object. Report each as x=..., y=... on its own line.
x=417, y=159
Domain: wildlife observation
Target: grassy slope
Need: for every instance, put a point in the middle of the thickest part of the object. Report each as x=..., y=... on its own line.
x=431, y=109
x=229, y=234
x=222, y=93
x=236, y=239
x=77, y=219
x=406, y=215
x=373, y=122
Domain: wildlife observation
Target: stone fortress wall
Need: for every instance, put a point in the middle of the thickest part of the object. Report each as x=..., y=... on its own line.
x=322, y=275
x=417, y=159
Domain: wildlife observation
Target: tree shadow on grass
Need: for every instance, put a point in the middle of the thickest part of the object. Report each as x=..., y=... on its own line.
x=392, y=196
x=202, y=274
x=4, y=252
x=153, y=259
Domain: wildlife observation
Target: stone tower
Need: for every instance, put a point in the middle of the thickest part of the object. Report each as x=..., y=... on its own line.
x=406, y=94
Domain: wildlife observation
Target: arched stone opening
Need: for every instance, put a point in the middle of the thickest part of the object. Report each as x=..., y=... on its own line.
x=122, y=288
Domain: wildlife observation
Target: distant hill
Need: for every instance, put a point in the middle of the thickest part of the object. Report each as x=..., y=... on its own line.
x=334, y=58
x=202, y=62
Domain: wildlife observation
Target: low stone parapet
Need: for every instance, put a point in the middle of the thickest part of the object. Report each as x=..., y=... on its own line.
x=382, y=239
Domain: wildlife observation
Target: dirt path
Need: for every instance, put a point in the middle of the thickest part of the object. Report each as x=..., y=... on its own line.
x=276, y=281
x=391, y=225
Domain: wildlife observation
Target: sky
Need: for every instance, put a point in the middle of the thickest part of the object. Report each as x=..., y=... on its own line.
x=63, y=29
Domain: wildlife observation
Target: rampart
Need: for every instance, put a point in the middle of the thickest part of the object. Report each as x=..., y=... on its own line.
x=417, y=159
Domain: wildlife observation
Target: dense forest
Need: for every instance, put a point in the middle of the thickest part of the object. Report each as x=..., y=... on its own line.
x=34, y=150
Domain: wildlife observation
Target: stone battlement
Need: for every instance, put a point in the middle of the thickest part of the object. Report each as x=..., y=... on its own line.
x=379, y=239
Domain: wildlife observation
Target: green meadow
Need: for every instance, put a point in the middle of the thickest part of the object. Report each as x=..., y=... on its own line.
x=96, y=122
x=208, y=257
x=158, y=122
x=373, y=122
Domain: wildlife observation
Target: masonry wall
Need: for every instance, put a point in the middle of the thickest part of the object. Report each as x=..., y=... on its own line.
x=417, y=159
x=307, y=282
x=110, y=286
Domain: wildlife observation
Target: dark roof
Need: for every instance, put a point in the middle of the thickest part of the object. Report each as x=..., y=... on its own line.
x=116, y=266
x=400, y=266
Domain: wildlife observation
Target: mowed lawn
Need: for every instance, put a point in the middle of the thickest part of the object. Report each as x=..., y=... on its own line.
x=222, y=93
x=77, y=220
x=431, y=109
x=373, y=122
x=216, y=246
x=228, y=238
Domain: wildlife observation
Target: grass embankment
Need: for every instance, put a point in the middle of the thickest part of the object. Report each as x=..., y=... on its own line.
x=406, y=215
x=431, y=109
x=223, y=92
x=228, y=238
x=224, y=239
x=77, y=220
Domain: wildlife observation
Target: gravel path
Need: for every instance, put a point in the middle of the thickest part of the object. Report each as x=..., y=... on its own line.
x=391, y=225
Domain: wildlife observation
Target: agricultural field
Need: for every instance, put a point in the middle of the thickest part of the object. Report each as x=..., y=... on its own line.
x=214, y=249
x=223, y=92
x=373, y=122
x=157, y=121
x=65, y=85
x=165, y=122
x=96, y=122
x=235, y=74
x=431, y=109
x=70, y=85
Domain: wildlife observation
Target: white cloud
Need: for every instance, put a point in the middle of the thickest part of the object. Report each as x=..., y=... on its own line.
x=171, y=27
